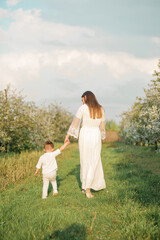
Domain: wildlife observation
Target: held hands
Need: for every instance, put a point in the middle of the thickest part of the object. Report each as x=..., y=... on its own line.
x=67, y=142
x=66, y=139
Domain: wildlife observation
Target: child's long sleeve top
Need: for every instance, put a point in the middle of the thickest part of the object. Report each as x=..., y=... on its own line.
x=48, y=161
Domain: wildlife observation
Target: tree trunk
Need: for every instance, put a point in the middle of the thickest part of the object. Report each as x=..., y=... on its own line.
x=156, y=145
x=6, y=147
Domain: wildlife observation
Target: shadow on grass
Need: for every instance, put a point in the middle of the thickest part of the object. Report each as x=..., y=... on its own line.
x=76, y=173
x=139, y=184
x=73, y=232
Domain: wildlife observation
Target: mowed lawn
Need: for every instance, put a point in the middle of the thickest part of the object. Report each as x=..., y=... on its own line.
x=129, y=207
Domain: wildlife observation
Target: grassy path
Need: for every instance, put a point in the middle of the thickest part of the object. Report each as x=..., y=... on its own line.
x=129, y=208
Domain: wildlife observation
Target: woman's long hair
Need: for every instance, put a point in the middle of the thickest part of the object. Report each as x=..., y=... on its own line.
x=95, y=109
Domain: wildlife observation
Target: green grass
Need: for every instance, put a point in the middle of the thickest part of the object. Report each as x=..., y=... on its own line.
x=129, y=208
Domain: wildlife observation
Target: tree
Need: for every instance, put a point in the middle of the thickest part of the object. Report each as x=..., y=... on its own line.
x=141, y=123
x=15, y=123
x=23, y=125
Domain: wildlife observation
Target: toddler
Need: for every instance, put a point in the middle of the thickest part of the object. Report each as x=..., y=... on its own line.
x=49, y=167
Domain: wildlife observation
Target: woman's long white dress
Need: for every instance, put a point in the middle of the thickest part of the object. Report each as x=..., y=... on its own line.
x=91, y=133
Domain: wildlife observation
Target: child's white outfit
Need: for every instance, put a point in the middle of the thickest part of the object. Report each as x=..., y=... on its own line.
x=49, y=170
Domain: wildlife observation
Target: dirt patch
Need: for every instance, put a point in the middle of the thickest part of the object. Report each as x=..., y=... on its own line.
x=112, y=136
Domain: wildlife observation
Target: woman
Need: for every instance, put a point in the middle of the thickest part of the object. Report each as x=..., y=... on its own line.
x=93, y=130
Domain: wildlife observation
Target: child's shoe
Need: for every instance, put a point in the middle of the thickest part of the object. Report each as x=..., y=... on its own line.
x=55, y=194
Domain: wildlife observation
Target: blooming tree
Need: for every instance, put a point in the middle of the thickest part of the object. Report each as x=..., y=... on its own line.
x=141, y=124
x=23, y=125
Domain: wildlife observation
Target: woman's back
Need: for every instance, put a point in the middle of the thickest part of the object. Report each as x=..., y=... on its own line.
x=87, y=121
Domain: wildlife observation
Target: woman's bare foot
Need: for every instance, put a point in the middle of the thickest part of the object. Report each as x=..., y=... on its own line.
x=89, y=194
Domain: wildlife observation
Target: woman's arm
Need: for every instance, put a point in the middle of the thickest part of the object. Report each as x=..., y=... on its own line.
x=74, y=129
x=103, y=130
x=102, y=125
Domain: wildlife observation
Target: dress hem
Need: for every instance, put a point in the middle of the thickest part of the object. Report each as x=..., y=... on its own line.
x=96, y=189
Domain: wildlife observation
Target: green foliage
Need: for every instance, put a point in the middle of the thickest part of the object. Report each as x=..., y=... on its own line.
x=111, y=125
x=141, y=124
x=24, y=126
x=15, y=123
x=129, y=208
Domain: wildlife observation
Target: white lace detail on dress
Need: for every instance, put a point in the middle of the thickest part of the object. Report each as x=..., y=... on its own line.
x=103, y=134
x=74, y=132
x=74, y=128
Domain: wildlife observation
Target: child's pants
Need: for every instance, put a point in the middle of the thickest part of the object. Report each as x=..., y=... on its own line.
x=49, y=177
